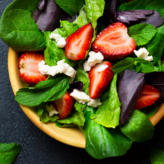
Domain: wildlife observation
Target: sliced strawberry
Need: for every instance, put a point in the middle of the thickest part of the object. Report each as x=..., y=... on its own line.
x=64, y=105
x=28, y=67
x=99, y=80
x=147, y=97
x=78, y=43
x=114, y=42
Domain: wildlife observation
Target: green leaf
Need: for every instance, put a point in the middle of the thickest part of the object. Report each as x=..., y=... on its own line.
x=123, y=65
x=82, y=76
x=34, y=96
x=156, y=156
x=94, y=9
x=72, y=7
x=43, y=114
x=75, y=118
x=101, y=142
x=82, y=19
x=138, y=127
x=53, y=53
x=142, y=33
x=8, y=152
x=80, y=107
x=18, y=29
x=156, y=45
x=108, y=114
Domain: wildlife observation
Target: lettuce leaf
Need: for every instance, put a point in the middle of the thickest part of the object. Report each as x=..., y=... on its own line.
x=108, y=114
x=80, y=107
x=156, y=45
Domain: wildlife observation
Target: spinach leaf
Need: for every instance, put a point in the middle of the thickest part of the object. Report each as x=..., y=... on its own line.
x=156, y=45
x=101, y=142
x=8, y=152
x=82, y=19
x=53, y=53
x=80, y=107
x=18, y=29
x=34, y=96
x=72, y=7
x=43, y=114
x=108, y=113
x=75, y=118
x=142, y=33
x=156, y=156
x=138, y=127
x=82, y=76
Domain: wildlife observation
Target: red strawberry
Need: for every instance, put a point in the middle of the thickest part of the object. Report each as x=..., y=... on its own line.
x=64, y=105
x=100, y=80
x=28, y=67
x=147, y=97
x=114, y=42
x=78, y=43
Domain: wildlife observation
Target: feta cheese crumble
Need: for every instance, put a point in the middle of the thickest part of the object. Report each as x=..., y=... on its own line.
x=61, y=67
x=59, y=39
x=51, y=110
x=142, y=53
x=94, y=58
x=83, y=98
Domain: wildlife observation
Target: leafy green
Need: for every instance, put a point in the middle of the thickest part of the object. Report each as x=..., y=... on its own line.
x=156, y=156
x=36, y=95
x=80, y=107
x=75, y=118
x=94, y=9
x=82, y=18
x=138, y=127
x=72, y=7
x=53, y=53
x=108, y=113
x=18, y=29
x=156, y=45
x=8, y=152
x=43, y=114
x=82, y=76
x=142, y=33
x=101, y=142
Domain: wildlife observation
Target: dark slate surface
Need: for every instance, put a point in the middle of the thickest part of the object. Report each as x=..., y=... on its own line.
x=37, y=147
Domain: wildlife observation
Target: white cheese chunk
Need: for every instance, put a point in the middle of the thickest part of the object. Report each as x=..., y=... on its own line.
x=59, y=39
x=51, y=110
x=142, y=53
x=94, y=58
x=61, y=67
x=94, y=103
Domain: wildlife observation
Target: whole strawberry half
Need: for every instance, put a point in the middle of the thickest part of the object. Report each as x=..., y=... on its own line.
x=78, y=43
x=64, y=105
x=114, y=42
x=147, y=97
x=100, y=78
x=28, y=67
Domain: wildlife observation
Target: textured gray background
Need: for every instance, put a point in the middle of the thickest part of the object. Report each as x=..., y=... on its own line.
x=37, y=147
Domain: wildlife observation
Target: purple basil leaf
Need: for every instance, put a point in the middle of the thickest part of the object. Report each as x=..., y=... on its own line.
x=50, y=16
x=133, y=15
x=76, y=85
x=156, y=79
x=130, y=85
x=41, y=4
x=155, y=19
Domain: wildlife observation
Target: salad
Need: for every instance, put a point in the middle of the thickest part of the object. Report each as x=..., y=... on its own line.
x=97, y=65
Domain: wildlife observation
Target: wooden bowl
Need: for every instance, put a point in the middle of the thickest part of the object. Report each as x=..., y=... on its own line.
x=71, y=136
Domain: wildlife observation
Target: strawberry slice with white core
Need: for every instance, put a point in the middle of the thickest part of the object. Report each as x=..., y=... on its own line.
x=100, y=77
x=147, y=97
x=114, y=42
x=28, y=67
x=64, y=105
x=78, y=43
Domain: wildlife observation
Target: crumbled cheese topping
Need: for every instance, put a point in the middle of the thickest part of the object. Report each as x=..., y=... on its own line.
x=59, y=39
x=94, y=58
x=142, y=53
x=51, y=110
